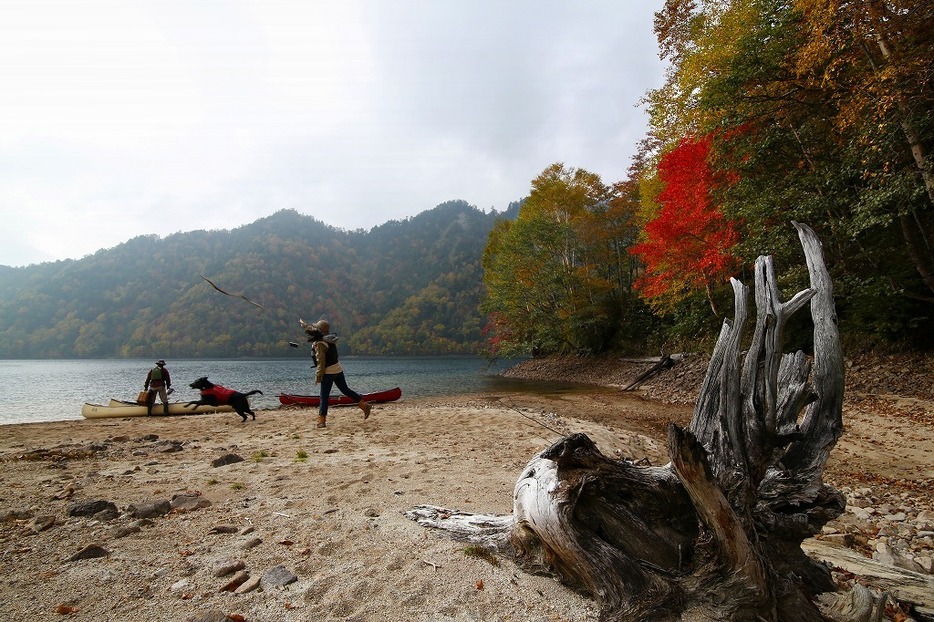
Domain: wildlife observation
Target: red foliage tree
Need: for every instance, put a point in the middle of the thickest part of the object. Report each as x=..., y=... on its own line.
x=687, y=245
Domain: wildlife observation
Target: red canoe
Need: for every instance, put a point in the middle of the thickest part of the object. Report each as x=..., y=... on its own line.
x=389, y=395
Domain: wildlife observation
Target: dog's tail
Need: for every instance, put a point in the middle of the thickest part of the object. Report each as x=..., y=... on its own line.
x=254, y=391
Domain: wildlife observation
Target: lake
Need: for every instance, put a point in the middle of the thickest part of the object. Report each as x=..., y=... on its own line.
x=55, y=390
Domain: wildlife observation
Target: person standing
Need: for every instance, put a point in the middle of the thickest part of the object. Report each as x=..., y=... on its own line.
x=158, y=381
x=328, y=370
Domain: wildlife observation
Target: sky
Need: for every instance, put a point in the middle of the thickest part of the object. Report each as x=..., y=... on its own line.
x=137, y=117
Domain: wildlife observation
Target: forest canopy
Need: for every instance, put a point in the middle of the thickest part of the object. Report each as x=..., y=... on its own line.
x=406, y=287
x=815, y=111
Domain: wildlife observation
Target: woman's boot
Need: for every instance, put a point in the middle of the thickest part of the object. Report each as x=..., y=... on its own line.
x=365, y=407
x=322, y=421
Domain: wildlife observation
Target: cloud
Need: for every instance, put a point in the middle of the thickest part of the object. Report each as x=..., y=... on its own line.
x=122, y=118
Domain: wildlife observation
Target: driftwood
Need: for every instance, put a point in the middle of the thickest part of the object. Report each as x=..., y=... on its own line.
x=717, y=532
x=903, y=585
x=665, y=362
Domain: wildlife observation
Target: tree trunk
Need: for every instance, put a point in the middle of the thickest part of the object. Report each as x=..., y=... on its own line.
x=665, y=362
x=717, y=532
x=916, y=227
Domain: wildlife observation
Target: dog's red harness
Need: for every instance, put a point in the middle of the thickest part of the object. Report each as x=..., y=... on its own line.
x=221, y=394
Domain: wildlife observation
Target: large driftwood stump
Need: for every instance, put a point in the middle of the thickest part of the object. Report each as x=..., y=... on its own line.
x=716, y=532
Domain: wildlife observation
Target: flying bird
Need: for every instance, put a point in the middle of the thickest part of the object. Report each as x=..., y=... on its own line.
x=231, y=295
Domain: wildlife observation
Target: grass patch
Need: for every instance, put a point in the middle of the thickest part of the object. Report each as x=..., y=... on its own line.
x=259, y=455
x=237, y=486
x=301, y=455
x=212, y=482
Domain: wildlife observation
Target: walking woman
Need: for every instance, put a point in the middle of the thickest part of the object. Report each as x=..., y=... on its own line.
x=328, y=371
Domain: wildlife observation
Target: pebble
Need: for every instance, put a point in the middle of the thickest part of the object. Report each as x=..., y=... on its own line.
x=41, y=523
x=225, y=460
x=248, y=586
x=228, y=566
x=167, y=447
x=251, y=543
x=278, y=576
x=149, y=508
x=235, y=581
x=90, y=507
x=894, y=528
x=91, y=551
x=180, y=585
x=188, y=502
x=125, y=530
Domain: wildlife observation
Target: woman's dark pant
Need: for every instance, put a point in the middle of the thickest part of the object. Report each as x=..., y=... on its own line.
x=334, y=379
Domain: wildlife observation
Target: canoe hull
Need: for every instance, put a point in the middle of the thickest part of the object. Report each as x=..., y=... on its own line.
x=379, y=397
x=118, y=408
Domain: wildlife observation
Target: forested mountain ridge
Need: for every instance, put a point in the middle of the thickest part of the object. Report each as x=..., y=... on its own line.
x=406, y=287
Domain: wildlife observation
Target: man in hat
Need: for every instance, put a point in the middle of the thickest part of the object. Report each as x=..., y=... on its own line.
x=158, y=381
x=328, y=370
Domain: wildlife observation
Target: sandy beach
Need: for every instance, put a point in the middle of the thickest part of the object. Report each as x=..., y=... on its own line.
x=153, y=519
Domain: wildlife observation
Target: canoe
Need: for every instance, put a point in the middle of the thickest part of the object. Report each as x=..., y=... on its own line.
x=118, y=408
x=389, y=395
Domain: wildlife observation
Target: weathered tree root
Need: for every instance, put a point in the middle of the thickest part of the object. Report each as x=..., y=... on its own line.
x=718, y=530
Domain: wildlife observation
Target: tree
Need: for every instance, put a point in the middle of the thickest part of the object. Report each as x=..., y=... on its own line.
x=687, y=245
x=833, y=100
x=552, y=275
x=873, y=58
x=825, y=136
x=699, y=39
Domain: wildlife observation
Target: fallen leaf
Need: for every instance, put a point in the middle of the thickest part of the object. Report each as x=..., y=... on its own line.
x=479, y=584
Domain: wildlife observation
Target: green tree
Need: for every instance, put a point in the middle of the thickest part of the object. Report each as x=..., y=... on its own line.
x=553, y=275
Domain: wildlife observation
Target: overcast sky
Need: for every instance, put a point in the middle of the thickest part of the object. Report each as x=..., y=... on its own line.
x=129, y=117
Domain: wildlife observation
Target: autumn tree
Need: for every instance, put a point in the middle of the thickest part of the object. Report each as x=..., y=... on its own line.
x=873, y=59
x=687, y=245
x=554, y=275
x=834, y=102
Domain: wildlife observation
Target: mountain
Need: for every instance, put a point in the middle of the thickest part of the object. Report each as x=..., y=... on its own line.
x=407, y=287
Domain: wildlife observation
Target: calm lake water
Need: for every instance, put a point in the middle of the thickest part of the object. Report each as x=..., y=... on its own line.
x=56, y=390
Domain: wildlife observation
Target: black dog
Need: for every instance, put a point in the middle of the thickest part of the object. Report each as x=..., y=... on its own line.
x=216, y=395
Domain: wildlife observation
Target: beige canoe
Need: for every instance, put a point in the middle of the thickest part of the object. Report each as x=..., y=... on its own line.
x=118, y=408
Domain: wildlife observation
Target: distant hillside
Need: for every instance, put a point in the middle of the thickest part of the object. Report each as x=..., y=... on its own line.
x=406, y=288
